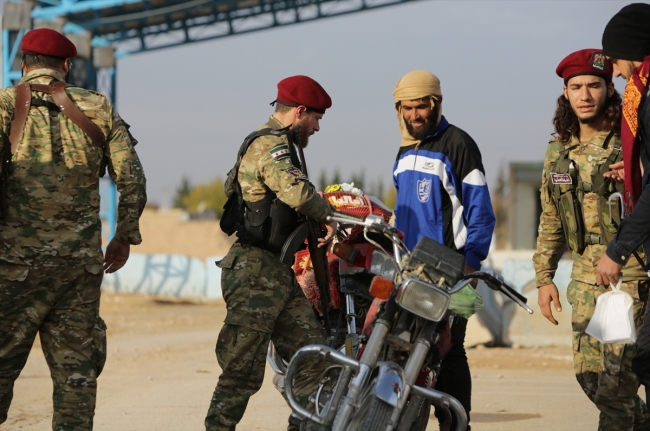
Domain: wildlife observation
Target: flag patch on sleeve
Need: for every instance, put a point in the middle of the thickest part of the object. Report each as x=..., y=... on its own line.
x=296, y=173
x=280, y=152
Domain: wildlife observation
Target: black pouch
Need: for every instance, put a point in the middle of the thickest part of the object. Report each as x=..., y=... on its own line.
x=256, y=222
x=233, y=213
x=284, y=220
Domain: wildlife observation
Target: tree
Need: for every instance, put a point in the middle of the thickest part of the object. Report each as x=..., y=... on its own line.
x=183, y=189
x=204, y=196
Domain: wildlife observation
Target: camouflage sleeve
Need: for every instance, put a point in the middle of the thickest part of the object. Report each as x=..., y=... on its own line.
x=126, y=171
x=7, y=106
x=550, y=239
x=288, y=182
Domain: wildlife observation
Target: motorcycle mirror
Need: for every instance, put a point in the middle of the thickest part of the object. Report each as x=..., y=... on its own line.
x=381, y=287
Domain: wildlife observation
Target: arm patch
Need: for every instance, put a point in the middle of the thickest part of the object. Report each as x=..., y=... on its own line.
x=296, y=173
x=280, y=152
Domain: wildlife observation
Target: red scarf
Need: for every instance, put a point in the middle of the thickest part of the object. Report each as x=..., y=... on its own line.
x=629, y=128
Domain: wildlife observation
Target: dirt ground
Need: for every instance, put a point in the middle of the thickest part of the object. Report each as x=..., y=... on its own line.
x=161, y=372
x=169, y=232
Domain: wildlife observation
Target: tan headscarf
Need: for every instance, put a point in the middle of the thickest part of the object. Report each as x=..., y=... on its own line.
x=416, y=84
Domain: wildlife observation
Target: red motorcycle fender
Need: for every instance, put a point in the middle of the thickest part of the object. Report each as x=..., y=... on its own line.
x=390, y=383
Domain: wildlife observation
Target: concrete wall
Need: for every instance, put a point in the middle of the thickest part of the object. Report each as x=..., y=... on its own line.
x=167, y=275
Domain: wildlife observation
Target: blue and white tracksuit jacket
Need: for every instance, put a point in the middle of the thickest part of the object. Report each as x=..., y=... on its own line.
x=442, y=193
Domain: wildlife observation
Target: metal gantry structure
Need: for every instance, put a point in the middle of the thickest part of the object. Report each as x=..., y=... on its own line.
x=103, y=30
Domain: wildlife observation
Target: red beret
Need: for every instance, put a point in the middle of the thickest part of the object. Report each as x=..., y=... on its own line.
x=302, y=90
x=585, y=62
x=45, y=41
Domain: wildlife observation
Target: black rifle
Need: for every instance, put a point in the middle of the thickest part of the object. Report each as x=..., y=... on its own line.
x=318, y=255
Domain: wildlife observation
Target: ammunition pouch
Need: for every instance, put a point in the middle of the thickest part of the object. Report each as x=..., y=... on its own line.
x=568, y=205
x=609, y=217
x=268, y=223
x=569, y=198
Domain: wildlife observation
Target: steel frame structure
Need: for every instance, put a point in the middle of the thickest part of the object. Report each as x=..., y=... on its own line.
x=135, y=26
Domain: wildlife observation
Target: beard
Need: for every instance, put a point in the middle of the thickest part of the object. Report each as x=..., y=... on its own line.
x=600, y=112
x=303, y=133
x=430, y=124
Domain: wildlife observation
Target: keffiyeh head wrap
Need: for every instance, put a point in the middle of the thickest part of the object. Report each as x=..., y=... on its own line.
x=417, y=84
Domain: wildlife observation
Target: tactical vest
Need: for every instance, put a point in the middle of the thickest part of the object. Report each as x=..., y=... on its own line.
x=266, y=223
x=567, y=190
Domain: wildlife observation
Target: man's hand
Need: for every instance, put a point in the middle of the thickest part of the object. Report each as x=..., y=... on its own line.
x=117, y=253
x=546, y=295
x=331, y=231
x=617, y=173
x=608, y=271
x=469, y=270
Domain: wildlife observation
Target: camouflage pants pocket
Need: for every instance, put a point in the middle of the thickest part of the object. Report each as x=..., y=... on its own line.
x=617, y=377
x=98, y=356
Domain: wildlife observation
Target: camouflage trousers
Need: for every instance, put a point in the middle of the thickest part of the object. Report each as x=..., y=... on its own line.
x=61, y=304
x=264, y=303
x=604, y=371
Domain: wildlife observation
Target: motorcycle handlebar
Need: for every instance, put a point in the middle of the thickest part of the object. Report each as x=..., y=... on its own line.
x=343, y=217
x=496, y=282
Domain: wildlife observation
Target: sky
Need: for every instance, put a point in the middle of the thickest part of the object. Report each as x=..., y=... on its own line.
x=190, y=107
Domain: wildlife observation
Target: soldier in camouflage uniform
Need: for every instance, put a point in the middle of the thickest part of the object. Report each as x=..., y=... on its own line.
x=51, y=261
x=264, y=301
x=574, y=197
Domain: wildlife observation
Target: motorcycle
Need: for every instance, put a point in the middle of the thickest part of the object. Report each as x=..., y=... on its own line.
x=351, y=270
x=388, y=385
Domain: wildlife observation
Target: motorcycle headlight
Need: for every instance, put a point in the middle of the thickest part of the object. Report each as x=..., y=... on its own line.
x=423, y=299
x=383, y=265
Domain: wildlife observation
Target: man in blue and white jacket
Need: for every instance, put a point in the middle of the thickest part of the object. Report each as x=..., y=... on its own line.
x=441, y=194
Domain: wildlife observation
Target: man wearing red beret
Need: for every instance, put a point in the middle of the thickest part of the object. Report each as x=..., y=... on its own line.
x=575, y=213
x=264, y=300
x=55, y=141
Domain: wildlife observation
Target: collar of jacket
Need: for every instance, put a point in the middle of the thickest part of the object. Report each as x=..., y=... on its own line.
x=598, y=139
x=274, y=123
x=43, y=72
x=441, y=126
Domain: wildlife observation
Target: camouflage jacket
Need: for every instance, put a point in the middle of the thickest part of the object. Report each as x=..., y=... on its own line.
x=266, y=166
x=53, y=186
x=551, y=239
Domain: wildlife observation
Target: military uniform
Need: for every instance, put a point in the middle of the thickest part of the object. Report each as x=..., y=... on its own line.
x=603, y=370
x=264, y=301
x=50, y=244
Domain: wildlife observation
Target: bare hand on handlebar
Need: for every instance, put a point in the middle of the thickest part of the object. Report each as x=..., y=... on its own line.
x=330, y=227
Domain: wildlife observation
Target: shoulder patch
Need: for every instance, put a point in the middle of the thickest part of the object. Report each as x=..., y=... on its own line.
x=561, y=178
x=280, y=152
x=296, y=173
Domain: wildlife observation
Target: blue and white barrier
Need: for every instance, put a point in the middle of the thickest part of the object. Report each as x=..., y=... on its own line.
x=167, y=275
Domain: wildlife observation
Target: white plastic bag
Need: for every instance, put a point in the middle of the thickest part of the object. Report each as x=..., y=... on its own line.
x=613, y=319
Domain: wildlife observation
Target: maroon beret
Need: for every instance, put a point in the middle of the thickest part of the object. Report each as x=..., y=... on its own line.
x=45, y=41
x=302, y=90
x=585, y=62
